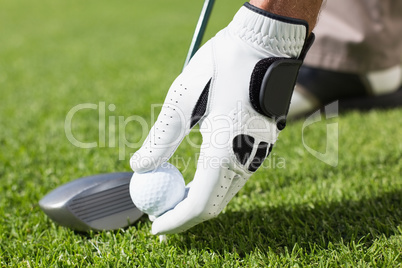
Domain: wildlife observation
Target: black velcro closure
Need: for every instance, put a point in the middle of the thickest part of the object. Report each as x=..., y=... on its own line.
x=277, y=87
x=242, y=147
x=271, y=86
x=256, y=81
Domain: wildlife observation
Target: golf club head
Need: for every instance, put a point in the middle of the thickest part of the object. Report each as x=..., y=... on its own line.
x=99, y=202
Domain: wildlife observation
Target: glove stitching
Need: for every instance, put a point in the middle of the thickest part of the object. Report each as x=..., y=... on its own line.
x=211, y=93
x=289, y=45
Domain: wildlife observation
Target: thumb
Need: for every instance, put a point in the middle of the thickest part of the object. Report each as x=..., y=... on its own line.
x=177, y=116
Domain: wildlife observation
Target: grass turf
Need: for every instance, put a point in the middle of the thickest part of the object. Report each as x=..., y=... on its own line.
x=297, y=211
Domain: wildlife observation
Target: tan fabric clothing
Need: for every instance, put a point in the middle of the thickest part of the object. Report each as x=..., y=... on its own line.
x=358, y=36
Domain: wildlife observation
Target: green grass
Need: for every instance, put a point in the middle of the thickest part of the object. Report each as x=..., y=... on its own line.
x=297, y=211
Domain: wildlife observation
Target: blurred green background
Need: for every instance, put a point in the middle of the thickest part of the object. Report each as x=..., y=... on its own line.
x=55, y=55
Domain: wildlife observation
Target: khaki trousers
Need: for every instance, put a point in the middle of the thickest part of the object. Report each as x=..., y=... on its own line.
x=358, y=36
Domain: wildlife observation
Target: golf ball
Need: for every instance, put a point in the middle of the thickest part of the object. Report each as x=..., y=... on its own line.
x=157, y=191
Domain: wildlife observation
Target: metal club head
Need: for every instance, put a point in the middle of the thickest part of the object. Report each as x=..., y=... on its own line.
x=99, y=202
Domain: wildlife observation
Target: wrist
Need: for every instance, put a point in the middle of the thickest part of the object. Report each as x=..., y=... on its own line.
x=307, y=10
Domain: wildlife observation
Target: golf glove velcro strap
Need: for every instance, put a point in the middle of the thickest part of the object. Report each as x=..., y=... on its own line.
x=272, y=84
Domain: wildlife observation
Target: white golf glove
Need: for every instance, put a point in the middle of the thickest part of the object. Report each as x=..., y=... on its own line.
x=239, y=106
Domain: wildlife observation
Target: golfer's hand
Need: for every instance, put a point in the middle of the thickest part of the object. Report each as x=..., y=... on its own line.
x=219, y=91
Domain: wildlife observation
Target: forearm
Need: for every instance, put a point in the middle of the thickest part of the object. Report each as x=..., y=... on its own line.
x=301, y=9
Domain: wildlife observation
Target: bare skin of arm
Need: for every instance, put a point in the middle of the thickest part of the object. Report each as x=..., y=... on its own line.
x=307, y=10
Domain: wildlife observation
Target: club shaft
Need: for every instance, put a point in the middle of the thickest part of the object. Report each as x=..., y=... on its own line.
x=200, y=29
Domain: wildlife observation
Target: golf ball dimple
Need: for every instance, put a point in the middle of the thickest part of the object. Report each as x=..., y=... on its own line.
x=157, y=191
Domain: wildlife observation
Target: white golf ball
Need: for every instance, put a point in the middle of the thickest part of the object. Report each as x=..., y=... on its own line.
x=157, y=191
